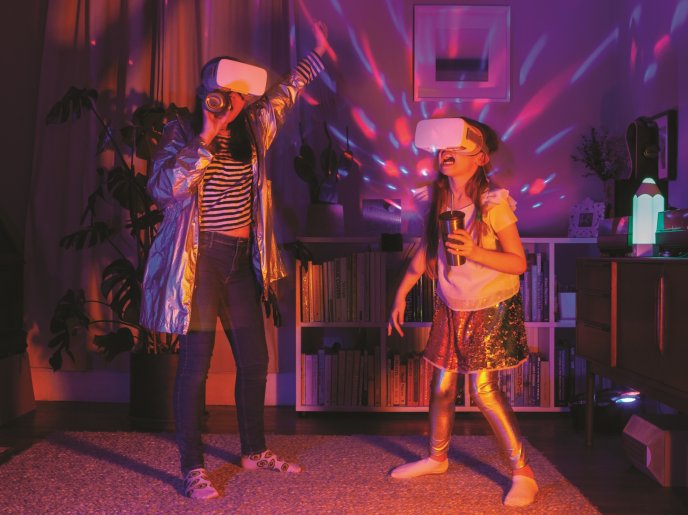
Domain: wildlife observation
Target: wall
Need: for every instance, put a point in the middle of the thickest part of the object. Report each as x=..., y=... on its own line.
x=573, y=65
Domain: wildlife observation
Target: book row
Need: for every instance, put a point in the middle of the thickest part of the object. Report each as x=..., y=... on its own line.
x=344, y=378
x=352, y=378
x=345, y=289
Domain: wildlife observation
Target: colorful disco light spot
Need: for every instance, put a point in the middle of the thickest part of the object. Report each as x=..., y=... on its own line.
x=650, y=72
x=538, y=103
x=398, y=22
x=391, y=169
x=359, y=50
x=393, y=140
x=634, y=19
x=403, y=170
x=537, y=205
x=425, y=165
x=537, y=187
x=378, y=160
x=309, y=99
x=531, y=57
x=633, y=58
x=525, y=188
x=661, y=46
x=93, y=42
x=680, y=15
x=403, y=131
x=337, y=7
x=550, y=178
x=366, y=178
x=391, y=187
x=551, y=141
x=613, y=37
x=405, y=105
x=364, y=123
x=483, y=113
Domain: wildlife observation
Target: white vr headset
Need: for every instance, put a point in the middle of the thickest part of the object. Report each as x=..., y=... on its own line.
x=454, y=133
x=227, y=74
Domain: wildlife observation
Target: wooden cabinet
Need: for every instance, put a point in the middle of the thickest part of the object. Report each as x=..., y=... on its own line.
x=632, y=324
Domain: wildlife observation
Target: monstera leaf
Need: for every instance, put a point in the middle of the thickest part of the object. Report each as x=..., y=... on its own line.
x=121, y=286
x=69, y=314
x=72, y=105
x=90, y=236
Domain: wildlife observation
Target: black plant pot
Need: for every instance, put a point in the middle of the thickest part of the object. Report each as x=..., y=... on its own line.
x=151, y=386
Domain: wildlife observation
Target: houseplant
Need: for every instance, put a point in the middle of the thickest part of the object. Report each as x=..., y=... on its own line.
x=604, y=156
x=121, y=280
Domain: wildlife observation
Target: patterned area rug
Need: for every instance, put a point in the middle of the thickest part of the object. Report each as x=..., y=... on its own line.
x=80, y=472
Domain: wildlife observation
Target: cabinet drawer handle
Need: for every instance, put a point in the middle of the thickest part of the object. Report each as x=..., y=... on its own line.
x=660, y=314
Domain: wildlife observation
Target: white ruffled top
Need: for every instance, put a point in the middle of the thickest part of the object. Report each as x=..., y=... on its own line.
x=473, y=286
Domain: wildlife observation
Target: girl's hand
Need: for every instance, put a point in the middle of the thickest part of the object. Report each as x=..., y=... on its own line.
x=396, y=317
x=320, y=34
x=213, y=124
x=460, y=243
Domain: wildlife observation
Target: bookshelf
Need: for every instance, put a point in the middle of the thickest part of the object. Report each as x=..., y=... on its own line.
x=346, y=362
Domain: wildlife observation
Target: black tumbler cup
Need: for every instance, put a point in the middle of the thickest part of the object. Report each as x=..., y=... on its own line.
x=450, y=221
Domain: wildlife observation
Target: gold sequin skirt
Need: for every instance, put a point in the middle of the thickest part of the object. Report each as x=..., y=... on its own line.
x=492, y=338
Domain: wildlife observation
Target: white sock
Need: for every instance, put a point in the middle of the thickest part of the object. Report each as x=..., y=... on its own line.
x=269, y=461
x=198, y=486
x=420, y=468
x=522, y=492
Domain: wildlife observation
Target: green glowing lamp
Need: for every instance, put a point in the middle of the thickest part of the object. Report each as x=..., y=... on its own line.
x=648, y=202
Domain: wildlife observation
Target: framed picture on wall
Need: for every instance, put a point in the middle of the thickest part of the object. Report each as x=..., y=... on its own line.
x=585, y=218
x=667, y=132
x=461, y=52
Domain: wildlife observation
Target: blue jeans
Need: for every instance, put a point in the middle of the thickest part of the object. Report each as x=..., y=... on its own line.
x=226, y=287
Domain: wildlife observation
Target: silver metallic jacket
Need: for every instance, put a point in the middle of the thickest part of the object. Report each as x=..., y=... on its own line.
x=179, y=165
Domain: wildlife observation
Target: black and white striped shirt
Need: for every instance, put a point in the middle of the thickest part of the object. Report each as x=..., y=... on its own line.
x=226, y=192
x=227, y=186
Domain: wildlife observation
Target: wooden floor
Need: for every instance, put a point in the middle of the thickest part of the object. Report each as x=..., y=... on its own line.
x=602, y=473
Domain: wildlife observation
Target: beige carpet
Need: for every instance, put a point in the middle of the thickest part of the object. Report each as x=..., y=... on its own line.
x=138, y=473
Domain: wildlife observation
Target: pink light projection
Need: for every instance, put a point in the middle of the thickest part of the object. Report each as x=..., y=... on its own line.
x=402, y=130
x=364, y=123
x=661, y=46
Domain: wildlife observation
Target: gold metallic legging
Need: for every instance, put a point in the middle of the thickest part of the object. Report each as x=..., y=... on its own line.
x=485, y=392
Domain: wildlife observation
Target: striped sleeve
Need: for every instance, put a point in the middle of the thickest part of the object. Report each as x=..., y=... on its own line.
x=310, y=66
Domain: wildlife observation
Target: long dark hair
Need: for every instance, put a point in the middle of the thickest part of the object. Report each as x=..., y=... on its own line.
x=240, y=142
x=475, y=187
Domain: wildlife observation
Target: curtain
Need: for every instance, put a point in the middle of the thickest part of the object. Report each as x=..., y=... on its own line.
x=131, y=51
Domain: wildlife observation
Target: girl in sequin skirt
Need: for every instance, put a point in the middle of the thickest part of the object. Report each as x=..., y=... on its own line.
x=478, y=324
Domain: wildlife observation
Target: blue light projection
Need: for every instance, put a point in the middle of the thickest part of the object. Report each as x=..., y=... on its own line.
x=530, y=59
x=612, y=38
x=680, y=16
x=398, y=23
x=551, y=141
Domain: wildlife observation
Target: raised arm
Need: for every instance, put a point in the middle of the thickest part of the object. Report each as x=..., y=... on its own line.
x=271, y=110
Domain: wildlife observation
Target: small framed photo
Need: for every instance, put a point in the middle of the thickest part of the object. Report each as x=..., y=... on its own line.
x=667, y=141
x=585, y=218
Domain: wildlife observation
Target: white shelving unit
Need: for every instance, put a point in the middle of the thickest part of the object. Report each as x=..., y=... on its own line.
x=370, y=337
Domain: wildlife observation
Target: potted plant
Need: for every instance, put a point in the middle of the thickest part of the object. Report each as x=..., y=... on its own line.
x=604, y=156
x=153, y=355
